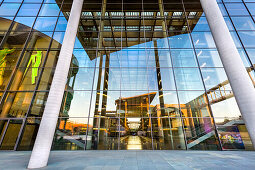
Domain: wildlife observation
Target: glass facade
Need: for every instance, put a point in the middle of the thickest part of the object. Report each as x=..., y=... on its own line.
x=145, y=75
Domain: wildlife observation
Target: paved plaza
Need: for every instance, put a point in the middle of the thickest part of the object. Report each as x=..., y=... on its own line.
x=135, y=160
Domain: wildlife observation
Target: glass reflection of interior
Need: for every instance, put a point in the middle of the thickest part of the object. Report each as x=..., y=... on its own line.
x=144, y=75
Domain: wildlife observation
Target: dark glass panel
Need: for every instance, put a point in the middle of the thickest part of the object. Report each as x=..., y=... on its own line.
x=16, y=39
x=52, y=59
x=168, y=134
x=201, y=134
x=103, y=133
x=3, y=127
x=11, y=135
x=27, y=81
x=27, y=74
x=29, y=134
x=46, y=79
x=70, y=134
x=5, y=74
x=16, y=104
x=38, y=104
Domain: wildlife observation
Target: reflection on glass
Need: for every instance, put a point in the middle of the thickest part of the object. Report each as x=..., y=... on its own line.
x=103, y=133
x=194, y=104
x=208, y=58
x=16, y=104
x=215, y=78
x=75, y=104
x=223, y=104
x=29, y=135
x=70, y=134
x=203, y=40
x=188, y=79
x=168, y=134
x=201, y=134
x=233, y=134
x=247, y=38
x=135, y=133
x=134, y=82
x=11, y=134
x=183, y=58
x=243, y=23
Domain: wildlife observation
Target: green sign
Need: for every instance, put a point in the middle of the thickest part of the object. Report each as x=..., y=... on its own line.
x=35, y=61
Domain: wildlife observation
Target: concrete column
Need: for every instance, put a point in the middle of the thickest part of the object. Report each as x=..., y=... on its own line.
x=236, y=72
x=42, y=146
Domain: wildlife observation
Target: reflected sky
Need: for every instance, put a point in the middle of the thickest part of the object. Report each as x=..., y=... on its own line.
x=133, y=68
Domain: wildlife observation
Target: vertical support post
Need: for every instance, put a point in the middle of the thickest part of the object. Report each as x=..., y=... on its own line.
x=42, y=146
x=239, y=80
x=126, y=126
x=101, y=122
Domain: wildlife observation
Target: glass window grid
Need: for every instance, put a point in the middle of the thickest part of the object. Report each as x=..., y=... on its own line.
x=146, y=47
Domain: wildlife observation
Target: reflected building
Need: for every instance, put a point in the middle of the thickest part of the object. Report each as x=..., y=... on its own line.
x=144, y=75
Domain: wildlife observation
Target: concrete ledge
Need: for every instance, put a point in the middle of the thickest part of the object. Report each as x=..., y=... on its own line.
x=134, y=160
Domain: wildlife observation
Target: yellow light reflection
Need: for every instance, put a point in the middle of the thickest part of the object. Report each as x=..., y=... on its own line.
x=134, y=143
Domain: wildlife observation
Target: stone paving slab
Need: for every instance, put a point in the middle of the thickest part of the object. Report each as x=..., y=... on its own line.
x=135, y=160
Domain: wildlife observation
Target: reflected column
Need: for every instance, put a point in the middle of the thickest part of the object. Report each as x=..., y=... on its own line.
x=239, y=80
x=98, y=123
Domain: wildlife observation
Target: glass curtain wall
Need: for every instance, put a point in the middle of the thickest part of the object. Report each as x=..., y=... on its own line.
x=31, y=34
x=145, y=74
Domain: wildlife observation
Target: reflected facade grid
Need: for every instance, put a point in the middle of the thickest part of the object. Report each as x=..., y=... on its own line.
x=145, y=75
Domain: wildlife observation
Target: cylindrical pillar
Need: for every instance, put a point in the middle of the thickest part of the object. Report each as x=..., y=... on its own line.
x=236, y=72
x=42, y=146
